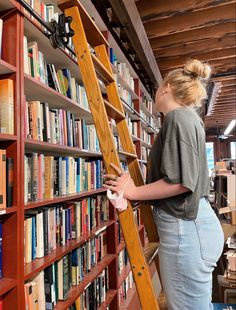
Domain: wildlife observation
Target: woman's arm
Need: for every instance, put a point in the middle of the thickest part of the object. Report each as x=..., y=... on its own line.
x=156, y=190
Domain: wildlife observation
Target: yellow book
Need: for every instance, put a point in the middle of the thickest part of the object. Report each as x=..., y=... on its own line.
x=6, y=106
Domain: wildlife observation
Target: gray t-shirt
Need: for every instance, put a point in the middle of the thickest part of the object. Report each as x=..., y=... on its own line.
x=178, y=155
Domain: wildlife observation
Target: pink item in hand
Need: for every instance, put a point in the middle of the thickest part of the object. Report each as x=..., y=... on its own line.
x=117, y=200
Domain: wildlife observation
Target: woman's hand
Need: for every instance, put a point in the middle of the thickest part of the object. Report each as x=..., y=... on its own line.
x=121, y=182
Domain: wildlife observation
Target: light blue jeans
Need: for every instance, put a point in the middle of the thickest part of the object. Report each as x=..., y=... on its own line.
x=188, y=254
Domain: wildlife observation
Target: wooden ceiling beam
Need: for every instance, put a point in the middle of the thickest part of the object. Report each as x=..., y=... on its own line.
x=220, y=14
x=191, y=36
x=208, y=45
x=175, y=62
x=153, y=9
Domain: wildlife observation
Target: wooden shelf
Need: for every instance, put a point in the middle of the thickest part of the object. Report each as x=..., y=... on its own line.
x=6, y=284
x=123, y=275
x=109, y=297
x=8, y=210
x=34, y=145
x=6, y=67
x=7, y=137
x=77, y=290
x=147, y=127
x=147, y=145
x=60, y=199
x=35, y=90
x=120, y=247
x=135, y=139
x=41, y=263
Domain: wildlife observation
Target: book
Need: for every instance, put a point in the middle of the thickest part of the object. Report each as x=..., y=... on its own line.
x=46, y=229
x=2, y=179
x=1, y=247
x=6, y=106
x=1, y=30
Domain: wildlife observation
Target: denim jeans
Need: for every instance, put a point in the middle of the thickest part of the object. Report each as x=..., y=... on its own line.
x=188, y=254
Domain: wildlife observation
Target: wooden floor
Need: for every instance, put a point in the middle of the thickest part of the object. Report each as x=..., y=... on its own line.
x=162, y=302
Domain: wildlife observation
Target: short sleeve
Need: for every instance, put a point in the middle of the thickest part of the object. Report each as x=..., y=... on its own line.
x=180, y=163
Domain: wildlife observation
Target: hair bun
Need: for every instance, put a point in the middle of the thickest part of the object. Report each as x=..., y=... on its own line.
x=197, y=69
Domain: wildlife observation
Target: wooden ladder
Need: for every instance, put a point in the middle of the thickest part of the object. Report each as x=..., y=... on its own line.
x=93, y=67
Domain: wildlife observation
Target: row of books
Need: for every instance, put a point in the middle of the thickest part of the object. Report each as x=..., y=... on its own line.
x=94, y=295
x=125, y=287
x=48, y=176
x=58, y=79
x=147, y=103
x=6, y=106
x=58, y=126
x=49, y=14
x=123, y=260
x=145, y=153
x=122, y=68
x=155, y=123
x=6, y=180
x=54, y=283
x=132, y=125
x=123, y=92
x=47, y=228
x=146, y=137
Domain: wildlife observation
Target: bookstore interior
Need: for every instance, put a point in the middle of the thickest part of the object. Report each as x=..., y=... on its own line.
x=150, y=87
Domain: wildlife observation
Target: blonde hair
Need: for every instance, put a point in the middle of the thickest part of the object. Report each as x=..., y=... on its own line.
x=189, y=84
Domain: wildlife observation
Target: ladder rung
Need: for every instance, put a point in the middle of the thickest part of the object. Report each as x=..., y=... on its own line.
x=127, y=154
x=113, y=112
x=150, y=251
x=104, y=74
x=93, y=34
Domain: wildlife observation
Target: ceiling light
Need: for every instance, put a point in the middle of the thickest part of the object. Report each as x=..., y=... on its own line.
x=230, y=127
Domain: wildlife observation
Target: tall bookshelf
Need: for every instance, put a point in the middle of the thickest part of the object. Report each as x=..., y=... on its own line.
x=16, y=24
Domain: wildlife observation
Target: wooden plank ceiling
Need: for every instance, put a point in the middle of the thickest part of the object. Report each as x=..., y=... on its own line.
x=205, y=30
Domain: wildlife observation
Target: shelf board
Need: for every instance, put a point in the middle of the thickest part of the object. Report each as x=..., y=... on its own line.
x=147, y=127
x=60, y=199
x=36, y=90
x=8, y=210
x=41, y=263
x=6, y=284
x=147, y=145
x=134, y=116
x=123, y=275
x=6, y=67
x=34, y=145
x=134, y=138
x=7, y=137
x=77, y=290
x=109, y=297
x=120, y=247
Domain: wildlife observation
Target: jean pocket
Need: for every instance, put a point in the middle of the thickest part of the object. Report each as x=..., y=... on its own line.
x=211, y=239
x=164, y=216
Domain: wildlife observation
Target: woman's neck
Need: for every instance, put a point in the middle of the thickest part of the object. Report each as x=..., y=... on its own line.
x=171, y=106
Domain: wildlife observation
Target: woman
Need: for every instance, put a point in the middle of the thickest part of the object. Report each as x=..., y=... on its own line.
x=191, y=238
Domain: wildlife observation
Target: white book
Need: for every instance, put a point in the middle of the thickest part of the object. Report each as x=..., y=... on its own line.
x=40, y=235
x=39, y=280
x=63, y=177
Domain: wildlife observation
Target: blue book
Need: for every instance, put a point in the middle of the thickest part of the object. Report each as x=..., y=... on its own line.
x=78, y=160
x=1, y=274
x=85, y=135
x=34, y=237
x=69, y=134
x=111, y=55
x=60, y=176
